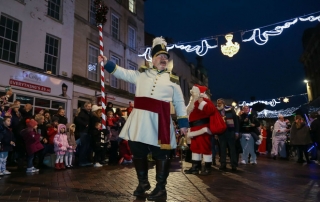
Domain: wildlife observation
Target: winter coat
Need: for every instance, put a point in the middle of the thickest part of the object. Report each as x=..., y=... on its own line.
x=124, y=150
x=244, y=126
x=61, y=140
x=99, y=139
x=32, y=140
x=315, y=130
x=42, y=129
x=94, y=119
x=109, y=108
x=6, y=136
x=300, y=136
x=83, y=121
x=62, y=119
x=71, y=137
x=51, y=134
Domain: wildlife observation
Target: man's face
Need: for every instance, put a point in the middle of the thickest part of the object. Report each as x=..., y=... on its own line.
x=64, y=90
x=220, y=104
x=160, y=61
x=245, y=109
x=61, y=112
x=88, y=107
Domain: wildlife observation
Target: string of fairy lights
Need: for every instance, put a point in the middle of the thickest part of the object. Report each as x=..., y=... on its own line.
x=231, y=48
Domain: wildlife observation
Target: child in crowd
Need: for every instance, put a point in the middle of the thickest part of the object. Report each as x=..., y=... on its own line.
x=125, y=153
x=114, y=130
x=32, y=142
x=99, y=144
x=6, y=143
x=60, y=146
x=53, y=130
x=72, y=144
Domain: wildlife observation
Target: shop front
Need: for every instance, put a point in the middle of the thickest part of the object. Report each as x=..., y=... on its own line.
x=43, y=91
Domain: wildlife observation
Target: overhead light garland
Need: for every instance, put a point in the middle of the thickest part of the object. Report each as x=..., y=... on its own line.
x=285, y=112
x=230, y=49
x=272, y=102
x=257, y=36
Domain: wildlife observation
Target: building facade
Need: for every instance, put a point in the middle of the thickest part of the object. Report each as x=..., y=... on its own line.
x=311, y=61
x=35, y=53
x=123, y=34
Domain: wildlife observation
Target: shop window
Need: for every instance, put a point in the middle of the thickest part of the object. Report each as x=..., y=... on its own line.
x=24, y=99
x=51, y=57
x=54, y=9
x=56, y=105
x=42, y=102
x=9, y=39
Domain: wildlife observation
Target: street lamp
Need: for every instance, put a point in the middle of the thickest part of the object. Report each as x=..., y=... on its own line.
x=234, y=104
x=309, y=91
x=306, y=81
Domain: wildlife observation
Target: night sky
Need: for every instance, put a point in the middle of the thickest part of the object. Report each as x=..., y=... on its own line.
x=269, y=71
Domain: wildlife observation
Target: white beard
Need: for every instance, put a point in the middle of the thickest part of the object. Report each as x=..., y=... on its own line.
x=220, y=108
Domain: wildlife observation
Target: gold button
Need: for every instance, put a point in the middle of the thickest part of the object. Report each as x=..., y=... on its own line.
x=156, y=79
x=154, y=86
x=152, y=89
x=151, y=93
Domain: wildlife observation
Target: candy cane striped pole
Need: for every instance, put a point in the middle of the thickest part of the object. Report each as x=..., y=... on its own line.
x=103, y=96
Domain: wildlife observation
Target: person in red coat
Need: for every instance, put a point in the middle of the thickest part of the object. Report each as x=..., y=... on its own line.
x=200, y=109
x=125, y=152
x=32, y=142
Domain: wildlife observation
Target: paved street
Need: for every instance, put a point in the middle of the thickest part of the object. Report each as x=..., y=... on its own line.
x=270, y=180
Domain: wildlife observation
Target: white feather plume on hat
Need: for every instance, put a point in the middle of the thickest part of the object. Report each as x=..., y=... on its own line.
x=158, y=40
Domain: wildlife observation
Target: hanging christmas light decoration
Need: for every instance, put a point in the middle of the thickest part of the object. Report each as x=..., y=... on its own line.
x=286, y=100
x=230, y=48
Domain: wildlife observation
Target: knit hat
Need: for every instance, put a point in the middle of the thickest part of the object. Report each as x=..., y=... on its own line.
x=31, y=123
x=95, y=108
x=159, y=46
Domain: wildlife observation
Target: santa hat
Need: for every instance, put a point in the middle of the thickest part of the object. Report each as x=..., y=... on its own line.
x=202, y=90
x=159, y=46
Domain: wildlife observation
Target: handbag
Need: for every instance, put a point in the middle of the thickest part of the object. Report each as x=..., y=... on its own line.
x=217, y=125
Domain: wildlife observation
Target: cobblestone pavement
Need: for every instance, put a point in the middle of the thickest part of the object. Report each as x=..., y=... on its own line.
x=270, y=180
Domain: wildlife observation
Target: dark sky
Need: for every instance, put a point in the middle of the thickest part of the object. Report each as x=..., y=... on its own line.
x=269, y=71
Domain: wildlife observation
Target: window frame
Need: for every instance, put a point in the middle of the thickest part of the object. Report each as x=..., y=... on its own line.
x=17, y=42
x=92, y=13
x=113, y=27
x=60, y=10
x=58, y=55
x=114, y=82
x=131, y=86
x=97, y=66
x=133, y=45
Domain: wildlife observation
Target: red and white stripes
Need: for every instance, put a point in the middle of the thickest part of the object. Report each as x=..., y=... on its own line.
x=103, y=96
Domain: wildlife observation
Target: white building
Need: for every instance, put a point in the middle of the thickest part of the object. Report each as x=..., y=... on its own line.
x=36, y=40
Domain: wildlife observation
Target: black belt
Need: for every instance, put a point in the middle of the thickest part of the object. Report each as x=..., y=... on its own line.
x=199, y=122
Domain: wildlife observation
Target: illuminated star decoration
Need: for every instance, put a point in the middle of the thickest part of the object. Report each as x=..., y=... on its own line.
x=230, y=49
x=286, y=100
x=101, y=12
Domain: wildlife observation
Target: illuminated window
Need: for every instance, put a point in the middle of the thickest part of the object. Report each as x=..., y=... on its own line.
x=92, y=63
x=9, y=39
x=54, y=9
x=132, y=6
x=51, y=56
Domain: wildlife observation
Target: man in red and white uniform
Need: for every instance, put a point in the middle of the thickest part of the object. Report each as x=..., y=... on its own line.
x=200, y=109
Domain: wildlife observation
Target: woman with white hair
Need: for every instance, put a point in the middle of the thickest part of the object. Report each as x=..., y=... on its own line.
x=279, y=137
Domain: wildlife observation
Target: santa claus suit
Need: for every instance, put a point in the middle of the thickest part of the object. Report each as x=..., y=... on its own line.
x=199, y=132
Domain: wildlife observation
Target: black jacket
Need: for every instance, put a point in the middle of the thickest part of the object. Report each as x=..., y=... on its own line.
x=6, y=136
x=244, y=125
x=83, y=121
x=62, y=119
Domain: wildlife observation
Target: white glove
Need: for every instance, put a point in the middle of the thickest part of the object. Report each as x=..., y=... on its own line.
x=105, y=60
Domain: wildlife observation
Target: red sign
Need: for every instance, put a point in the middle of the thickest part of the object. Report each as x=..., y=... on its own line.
x=29, y=86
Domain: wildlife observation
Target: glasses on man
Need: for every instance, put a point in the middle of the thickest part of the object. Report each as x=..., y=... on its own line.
x=163, y=56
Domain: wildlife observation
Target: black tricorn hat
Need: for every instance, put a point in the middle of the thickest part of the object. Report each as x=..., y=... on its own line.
x=159, y=46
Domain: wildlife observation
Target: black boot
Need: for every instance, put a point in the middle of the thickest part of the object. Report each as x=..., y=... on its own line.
x=162, y=169
x=207, y=168
x=196, y=167
x=141, y=166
